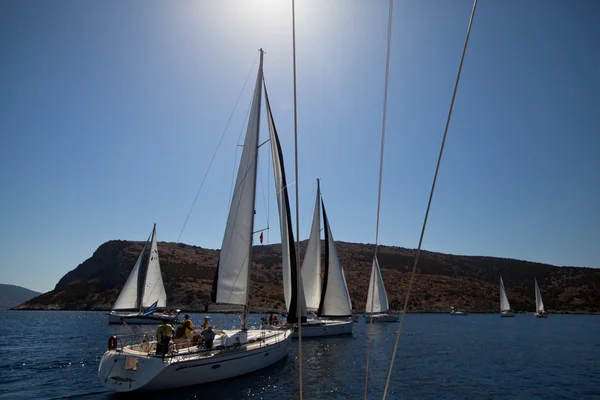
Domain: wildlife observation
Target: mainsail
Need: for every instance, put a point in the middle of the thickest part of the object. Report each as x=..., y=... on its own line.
x=233, y=269
x=311, y=266
x=377, y=301
x=288, y=252
x=504, y=304
x=539, y=304
x=335, y=299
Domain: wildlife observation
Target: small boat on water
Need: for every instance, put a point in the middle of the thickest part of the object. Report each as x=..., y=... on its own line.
x=227, y=353
x=143, y=299
x=454, y=311
x=377, y=307
x=505, y=310
x=540, y=312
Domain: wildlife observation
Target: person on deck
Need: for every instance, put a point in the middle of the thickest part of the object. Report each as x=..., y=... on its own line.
x=188, y=327
x=206, y=323
x=209, y=336
x=274, y=319
x=163, y=337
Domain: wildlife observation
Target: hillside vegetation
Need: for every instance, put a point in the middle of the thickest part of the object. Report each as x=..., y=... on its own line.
x=467, y=282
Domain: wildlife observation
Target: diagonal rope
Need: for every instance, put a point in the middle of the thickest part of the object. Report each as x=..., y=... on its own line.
x=385, y=98
x=216, y=151
x=298, y=286
x=437, y=168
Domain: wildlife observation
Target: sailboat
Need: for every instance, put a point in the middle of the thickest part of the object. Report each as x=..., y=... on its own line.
x=377, y=306
x=143, y=296
x=540, y=312
x=235, y=352
x=329, y=303
x=505, y=310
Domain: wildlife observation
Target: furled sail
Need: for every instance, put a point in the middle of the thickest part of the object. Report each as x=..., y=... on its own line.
x=129, y=298
x=539, y=304
x=233, y=269
x=311, y=266
x=377, y=301
x=504, y=304
x=154, y=289
x=335, y=299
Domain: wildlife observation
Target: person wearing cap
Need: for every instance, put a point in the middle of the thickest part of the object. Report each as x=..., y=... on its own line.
x=206, y=322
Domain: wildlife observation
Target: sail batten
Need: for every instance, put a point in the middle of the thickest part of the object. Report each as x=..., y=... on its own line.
x=233, y=272
x=288, y=251
x=377, y=301
x=311, y=266
x=335, y=298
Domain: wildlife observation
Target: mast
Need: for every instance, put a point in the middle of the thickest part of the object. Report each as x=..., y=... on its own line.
x=258, y=80
x=143, y=275
x=232, y=280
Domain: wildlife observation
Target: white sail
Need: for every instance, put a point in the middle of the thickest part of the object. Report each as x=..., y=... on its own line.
x=504, y=304
x=130, y=294
x=154, y=289
x=288, y=252
x=311, y=266
x=539, y=304
x=335, y=299
x=233, y=272
x=377, y=301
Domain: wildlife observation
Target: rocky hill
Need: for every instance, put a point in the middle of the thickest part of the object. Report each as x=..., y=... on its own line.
x=467, y=282
x=12, y=295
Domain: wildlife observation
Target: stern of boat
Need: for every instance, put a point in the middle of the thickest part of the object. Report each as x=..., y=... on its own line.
x=120, y=371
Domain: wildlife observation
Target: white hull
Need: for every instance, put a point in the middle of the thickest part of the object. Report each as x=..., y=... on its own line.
x=191, y=366
x=505, y=314
x=320, y=328
x=459, y=313
x=136, y=319
x=381, y=317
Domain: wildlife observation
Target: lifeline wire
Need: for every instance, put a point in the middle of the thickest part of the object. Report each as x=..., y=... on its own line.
x=437, y=168
x=298, y=286
x=385, y=97
x=215, y=153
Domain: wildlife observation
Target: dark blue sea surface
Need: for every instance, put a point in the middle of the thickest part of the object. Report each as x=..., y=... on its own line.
x=54, y=354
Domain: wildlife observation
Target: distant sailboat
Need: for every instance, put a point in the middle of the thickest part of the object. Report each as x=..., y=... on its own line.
x=540, y=312
x=143, y=296
x=377, y=302
x=330, y=301
x=234, y=352
x=505, y=310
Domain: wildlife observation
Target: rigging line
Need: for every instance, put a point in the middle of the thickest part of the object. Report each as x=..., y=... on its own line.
x=216, y=151
x=437, y=168
x=385, y=98
x=298, y=284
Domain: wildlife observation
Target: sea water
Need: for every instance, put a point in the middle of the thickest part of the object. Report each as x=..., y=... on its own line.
x=55, y=354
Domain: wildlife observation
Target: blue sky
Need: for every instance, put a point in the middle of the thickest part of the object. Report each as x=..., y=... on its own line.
x=111, y=111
